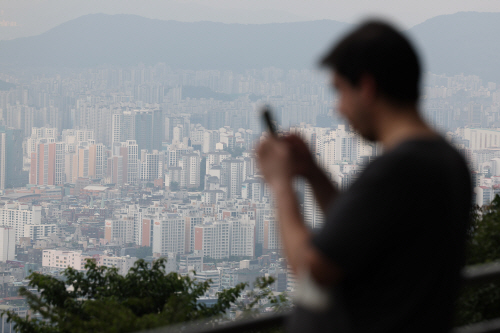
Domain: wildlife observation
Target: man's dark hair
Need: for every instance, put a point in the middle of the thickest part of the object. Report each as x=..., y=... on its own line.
x=377, y=49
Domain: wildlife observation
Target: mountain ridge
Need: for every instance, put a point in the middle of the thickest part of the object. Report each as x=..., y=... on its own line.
x=457, y=43
x=199, y=45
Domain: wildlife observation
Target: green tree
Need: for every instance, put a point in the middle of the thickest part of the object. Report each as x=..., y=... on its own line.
x=236, y=151
x=174, y=186
x=262, y=291
x=481, y=302
x=101, y=300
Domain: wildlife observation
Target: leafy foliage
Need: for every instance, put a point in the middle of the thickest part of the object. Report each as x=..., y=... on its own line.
x=174, y=186
x=482, y=302
x=263, y=293
x=101, y=300
x=236, y=151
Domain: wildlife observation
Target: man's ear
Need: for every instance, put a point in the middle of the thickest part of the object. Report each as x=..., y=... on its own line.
x=368, y=89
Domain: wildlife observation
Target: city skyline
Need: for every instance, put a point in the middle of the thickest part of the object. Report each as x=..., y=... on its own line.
x=156, y=159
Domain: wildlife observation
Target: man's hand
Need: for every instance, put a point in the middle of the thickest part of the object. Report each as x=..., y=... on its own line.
x=280, y=159
x=275, y=159
x=303, y=162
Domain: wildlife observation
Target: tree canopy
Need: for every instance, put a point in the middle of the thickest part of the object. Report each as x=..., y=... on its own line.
x=482, y=302
x=101, y=300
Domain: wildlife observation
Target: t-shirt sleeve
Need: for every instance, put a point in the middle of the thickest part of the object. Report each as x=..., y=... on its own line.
x=369, y=218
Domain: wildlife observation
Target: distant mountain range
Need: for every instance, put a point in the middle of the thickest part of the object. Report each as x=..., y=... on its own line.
x=466, y=43
x=100, y=39
x=452, y=44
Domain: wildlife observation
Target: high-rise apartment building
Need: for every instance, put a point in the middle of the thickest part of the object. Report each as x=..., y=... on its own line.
x=212, y=239
x=132, y=151
x=97, y=161
x=232, y=176
x=149, y=129
x=116, y=128
x=272, y=238
x=313, y=215
x=38, y=133
x=261, y=211
x=11, y=158
x=115, y=170
x=253, y=189
x=169, y=234
x=7, y=243
x=190, y=174
x=82, y=160
x=191, y=223
x=18, y=215
x=210, y=139
x=172, y=122
x=242, y=242
x=151, y=166
x=119, y=229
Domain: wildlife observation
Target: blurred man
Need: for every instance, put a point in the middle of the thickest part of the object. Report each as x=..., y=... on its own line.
x=392, y=247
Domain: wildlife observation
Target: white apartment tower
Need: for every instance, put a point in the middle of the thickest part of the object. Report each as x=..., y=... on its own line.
x=17, y=215
x=190, y=174
x=60, y=176
x=313, y=215
x=150, y=165
x=132, y=161
x=212, y=239
x=7, y=243
x=232, y=176
x=116, y=128
x=169, y=234
x=242, y=237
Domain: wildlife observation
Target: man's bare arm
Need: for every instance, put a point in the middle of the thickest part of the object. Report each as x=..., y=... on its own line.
x=306, y=166
x=301, y=254
x=324, y=190
x=276, y=160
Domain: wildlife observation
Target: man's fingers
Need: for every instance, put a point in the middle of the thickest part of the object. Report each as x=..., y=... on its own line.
x=297, y=143
x=265, y=147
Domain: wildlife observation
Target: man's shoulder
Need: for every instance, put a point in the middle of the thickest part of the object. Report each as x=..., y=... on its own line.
x=416, y=157
x=422, y=151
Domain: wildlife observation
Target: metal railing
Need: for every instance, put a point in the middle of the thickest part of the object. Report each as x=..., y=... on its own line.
x=474, y=275
x=261, y=323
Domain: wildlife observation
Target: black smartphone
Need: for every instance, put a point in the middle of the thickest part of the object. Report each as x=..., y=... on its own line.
x=266, y=115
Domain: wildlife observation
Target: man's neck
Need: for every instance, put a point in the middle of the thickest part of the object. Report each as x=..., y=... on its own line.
x=398, y=125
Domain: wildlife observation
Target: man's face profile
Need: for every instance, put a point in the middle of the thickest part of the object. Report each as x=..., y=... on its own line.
x=353, y=105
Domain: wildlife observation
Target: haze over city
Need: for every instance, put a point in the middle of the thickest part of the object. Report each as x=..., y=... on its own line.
x=128, y=128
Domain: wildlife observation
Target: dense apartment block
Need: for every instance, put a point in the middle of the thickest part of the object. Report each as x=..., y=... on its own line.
x=17, y=216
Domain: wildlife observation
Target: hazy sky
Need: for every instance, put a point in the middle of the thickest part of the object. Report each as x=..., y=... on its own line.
x=31, y=17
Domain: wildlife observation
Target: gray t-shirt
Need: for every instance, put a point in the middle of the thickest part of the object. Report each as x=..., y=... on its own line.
x=399, y=235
